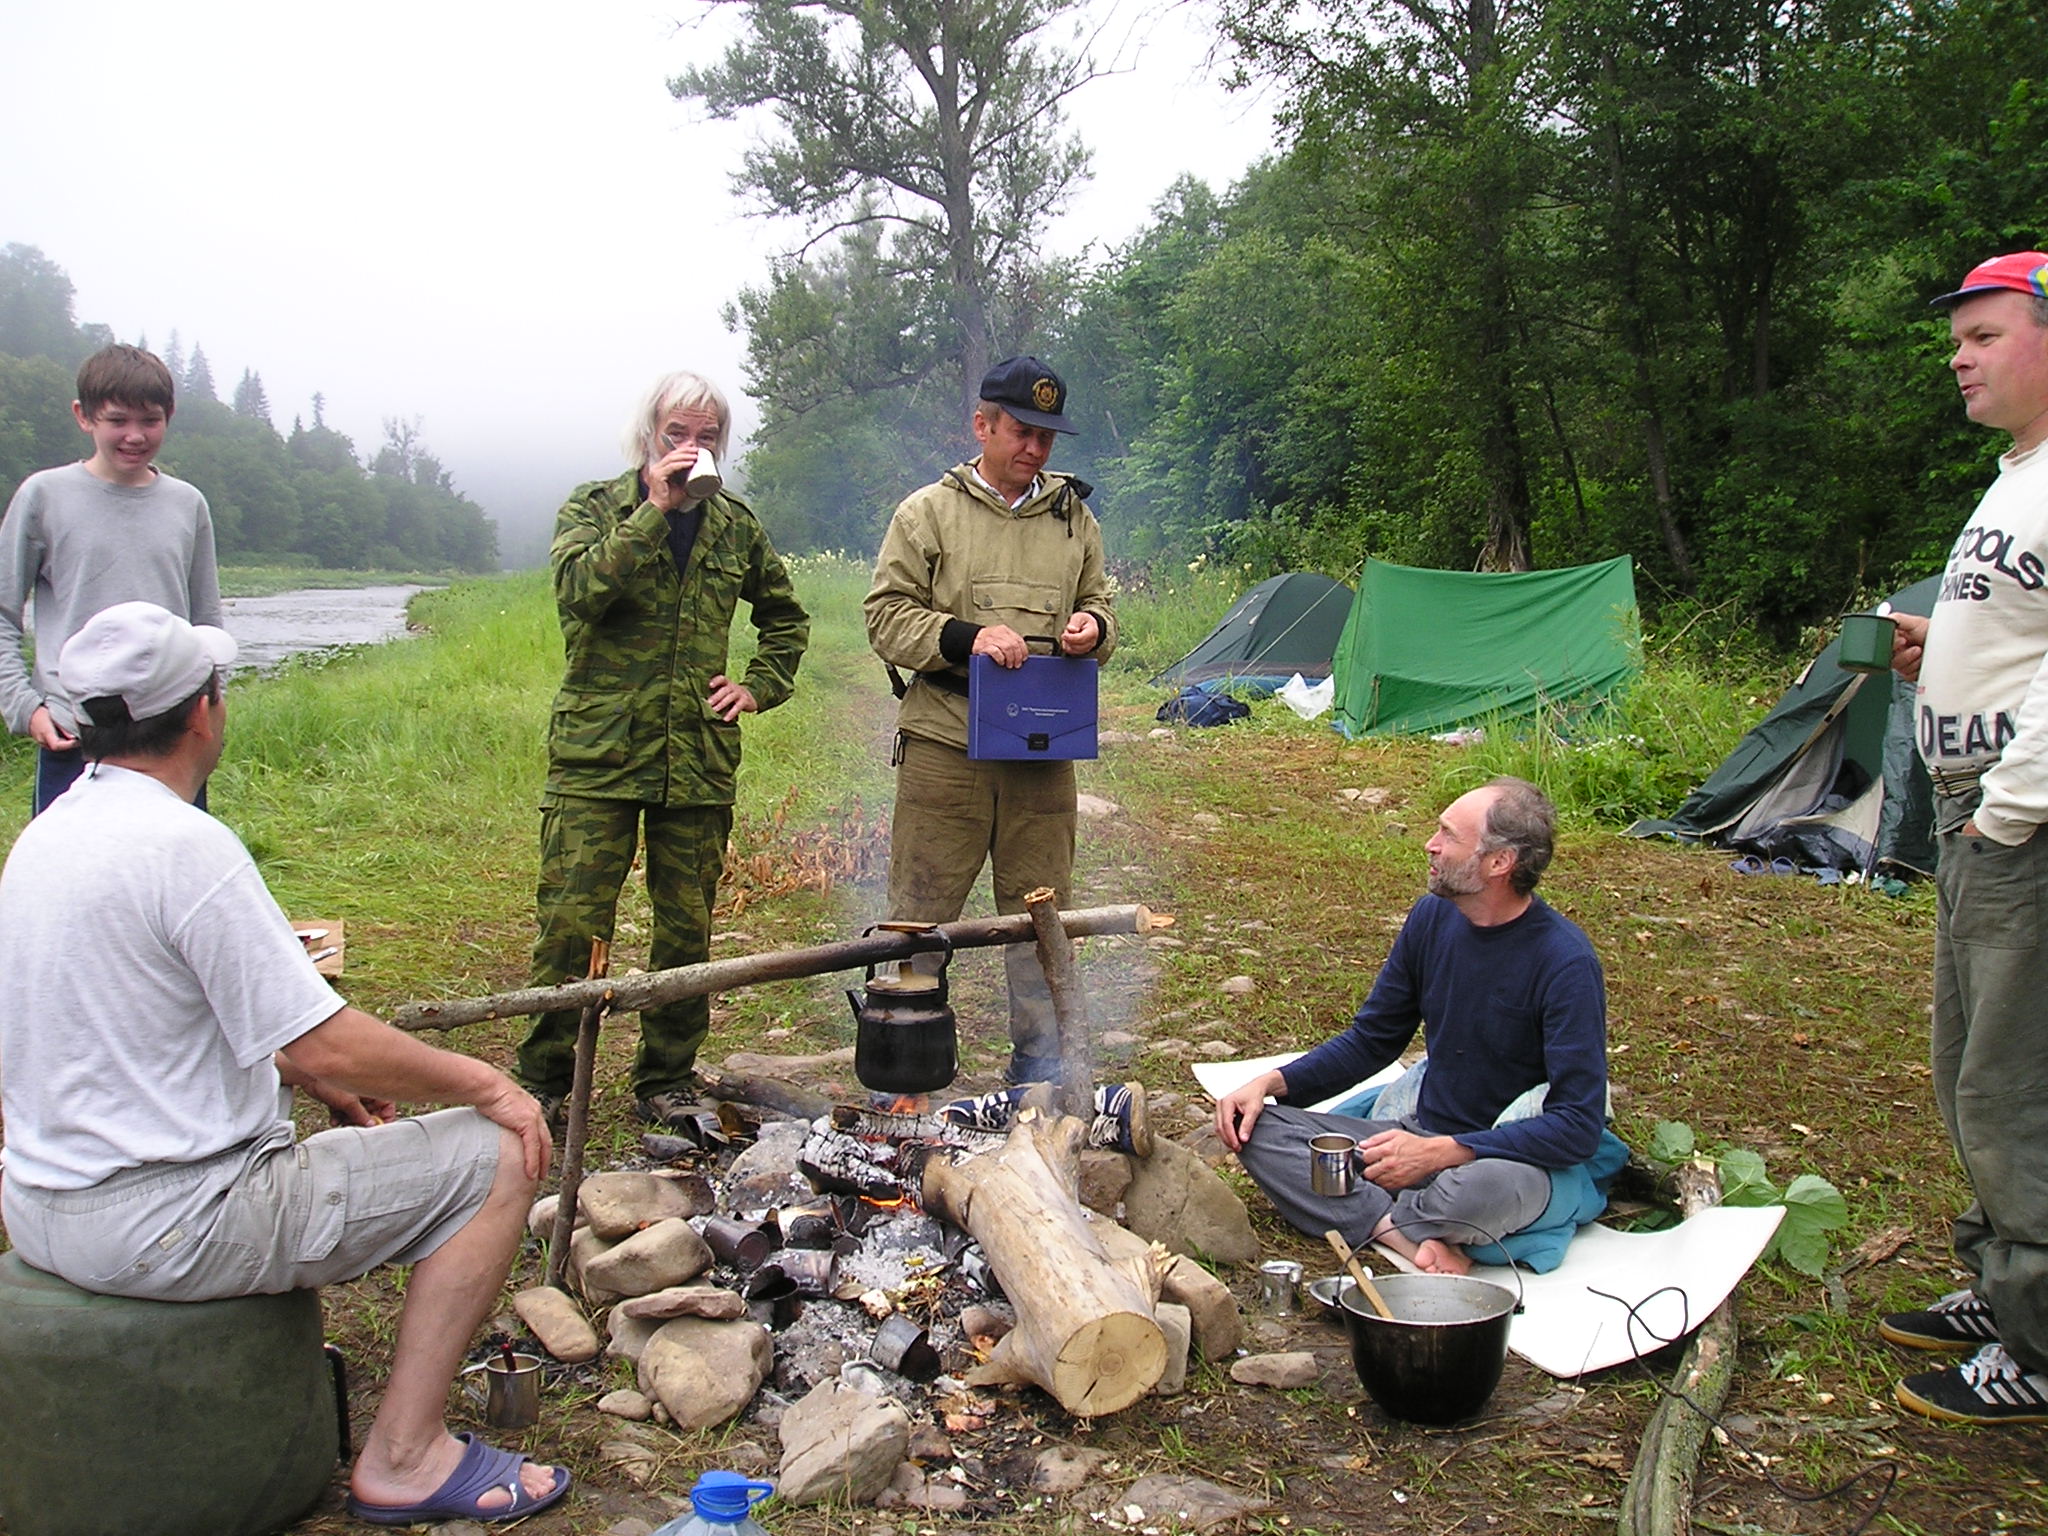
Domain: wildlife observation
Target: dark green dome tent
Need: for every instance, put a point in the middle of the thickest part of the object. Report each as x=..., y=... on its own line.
x=1284, y=625
x=1829, y=779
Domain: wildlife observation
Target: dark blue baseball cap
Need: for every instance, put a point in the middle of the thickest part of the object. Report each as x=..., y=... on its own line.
x=1029, y=391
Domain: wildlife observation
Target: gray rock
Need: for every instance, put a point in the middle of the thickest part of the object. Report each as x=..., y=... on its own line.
x=665, y=1254
x=1216, y=1050
x=1104, y=1178
x=1193, y=1502
x=629, y=1335
x=1065, y=1468
x=1118, y=1039
x=910, y=1488
x=1218, y=1328
x=1237, y=986
x=585, y=1249
x=928, y=1442
x=619, y=1204
x=1294, y=1368
x=556, y=1321
x=979, y=1321
x=628, y=1525
x=1178, y=1324
x=1095, y=808
x=713, y=1301
x=540, y=1221
x=705, y=1372
x=625, y=1403
x=840, y=1443
x=1178, y=1200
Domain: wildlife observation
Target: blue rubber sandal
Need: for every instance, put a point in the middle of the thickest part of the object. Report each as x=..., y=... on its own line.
x=483, y=1470
x=1749, y=864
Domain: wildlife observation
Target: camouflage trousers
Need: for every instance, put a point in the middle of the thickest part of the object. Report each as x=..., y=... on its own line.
x=586, y=851
x=953, y=815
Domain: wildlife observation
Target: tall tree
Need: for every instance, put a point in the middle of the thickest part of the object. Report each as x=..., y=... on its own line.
x=938, y=121
x=1451, y=93
x=199, y=376
x=250, y=400
x=35, y=306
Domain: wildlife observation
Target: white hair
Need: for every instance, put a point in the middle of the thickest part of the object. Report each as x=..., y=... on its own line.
x=673, y=391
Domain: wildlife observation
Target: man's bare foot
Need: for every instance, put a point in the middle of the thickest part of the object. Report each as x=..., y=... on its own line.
x=1433, y=1256
x=392, y=1487
x=1436, y=1257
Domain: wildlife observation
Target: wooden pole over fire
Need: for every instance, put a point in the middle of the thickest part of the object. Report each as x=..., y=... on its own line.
x=1076, y=1095
x=630, y=994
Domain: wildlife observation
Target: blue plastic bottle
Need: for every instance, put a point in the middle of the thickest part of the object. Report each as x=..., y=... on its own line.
x=720, y=1503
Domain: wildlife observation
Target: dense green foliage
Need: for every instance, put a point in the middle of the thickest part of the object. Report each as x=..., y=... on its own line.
x=300, y=499
x=1543, y=284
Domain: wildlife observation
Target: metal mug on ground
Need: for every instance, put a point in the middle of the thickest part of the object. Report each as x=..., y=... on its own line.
x=1332, y=1164
x=512, y=1393
x=1866, y=643
x=1280, y=1286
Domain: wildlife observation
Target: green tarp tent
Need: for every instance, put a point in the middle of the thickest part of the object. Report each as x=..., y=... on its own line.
x=1830, y=778
x=1426, y=650
x=1284, y=625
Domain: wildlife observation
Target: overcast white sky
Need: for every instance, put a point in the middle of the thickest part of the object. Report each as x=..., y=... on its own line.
x=491, y=217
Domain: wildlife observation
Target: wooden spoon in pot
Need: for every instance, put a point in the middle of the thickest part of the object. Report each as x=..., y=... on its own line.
x=1364, y=1281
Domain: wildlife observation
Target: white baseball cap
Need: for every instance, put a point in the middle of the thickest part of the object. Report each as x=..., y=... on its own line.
x=143, y=655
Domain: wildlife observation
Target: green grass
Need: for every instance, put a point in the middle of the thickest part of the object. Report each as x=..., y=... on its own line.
x=268, y=580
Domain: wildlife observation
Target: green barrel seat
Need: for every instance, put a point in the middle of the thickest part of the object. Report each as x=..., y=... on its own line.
x=208, y=1418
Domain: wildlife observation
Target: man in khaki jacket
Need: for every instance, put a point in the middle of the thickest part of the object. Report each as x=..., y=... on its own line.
x=997, y=552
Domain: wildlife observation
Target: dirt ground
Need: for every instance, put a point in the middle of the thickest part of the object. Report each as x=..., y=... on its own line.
x=1767, y=1013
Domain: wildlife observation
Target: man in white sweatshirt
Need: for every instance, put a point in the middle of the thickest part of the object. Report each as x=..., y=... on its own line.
x=1980, y=662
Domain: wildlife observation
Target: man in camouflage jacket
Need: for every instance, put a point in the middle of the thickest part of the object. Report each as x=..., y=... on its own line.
x=645, y=739
x=998, y=551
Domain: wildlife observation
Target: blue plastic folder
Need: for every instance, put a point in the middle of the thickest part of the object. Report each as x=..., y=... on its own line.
x=1043, y=709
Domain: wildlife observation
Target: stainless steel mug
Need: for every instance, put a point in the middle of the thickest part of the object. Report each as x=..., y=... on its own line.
x=1332, y=1166
x=1280, y=1286
x=512, y=1399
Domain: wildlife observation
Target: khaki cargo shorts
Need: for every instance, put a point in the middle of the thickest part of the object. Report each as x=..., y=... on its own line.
x=265, y=1217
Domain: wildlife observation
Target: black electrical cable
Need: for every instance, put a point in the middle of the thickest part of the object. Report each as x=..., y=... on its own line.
x=1889, y=1470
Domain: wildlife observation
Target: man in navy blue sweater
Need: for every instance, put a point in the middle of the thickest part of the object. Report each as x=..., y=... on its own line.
x=1509, y=997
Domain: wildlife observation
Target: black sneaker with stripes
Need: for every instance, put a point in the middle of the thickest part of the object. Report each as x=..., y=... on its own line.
x=1959, y=1321
x=1988, y=1388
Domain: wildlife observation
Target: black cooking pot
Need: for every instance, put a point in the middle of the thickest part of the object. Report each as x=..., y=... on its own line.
x=1439, y=1357
x=905, y=1039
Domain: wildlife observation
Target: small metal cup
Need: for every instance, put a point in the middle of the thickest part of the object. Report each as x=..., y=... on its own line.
x=737, y=1243
x=1332, y=1165
x=1280, y=1286
x=903, y=1347
x=512, y=1396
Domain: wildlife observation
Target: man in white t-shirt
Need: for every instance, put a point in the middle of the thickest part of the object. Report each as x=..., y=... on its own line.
x=158, y=1002
x=1980, y=662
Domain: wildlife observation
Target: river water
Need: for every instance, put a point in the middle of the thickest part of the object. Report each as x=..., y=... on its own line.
x=268, y=629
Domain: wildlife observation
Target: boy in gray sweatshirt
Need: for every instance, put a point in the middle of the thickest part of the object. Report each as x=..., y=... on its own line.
x=112, y=528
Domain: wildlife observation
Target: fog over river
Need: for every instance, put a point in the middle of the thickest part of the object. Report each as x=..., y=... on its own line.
x=268, y=629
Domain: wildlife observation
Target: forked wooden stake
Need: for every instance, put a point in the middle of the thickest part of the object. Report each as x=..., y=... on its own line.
x=578, y=1127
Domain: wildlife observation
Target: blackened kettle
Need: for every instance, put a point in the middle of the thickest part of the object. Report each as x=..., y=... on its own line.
x=905, y=1040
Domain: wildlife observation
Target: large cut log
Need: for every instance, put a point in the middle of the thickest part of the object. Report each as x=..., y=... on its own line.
x=629, y=994
x=1085, y=1329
